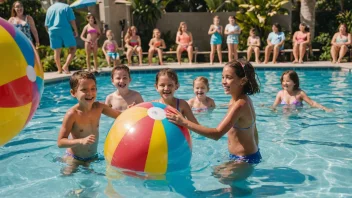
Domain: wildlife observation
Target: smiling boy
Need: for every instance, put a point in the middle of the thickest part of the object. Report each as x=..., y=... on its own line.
x=123, y=97
x=79, y=132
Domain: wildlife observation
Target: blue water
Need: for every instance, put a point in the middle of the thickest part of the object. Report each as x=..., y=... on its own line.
x=305, y=154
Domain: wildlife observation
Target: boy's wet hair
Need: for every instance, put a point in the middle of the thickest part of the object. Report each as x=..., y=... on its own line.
x=202, y=79
x=167, y=72
x=79, y=75
x=293, y=76
x=120, y=67
x=243, y=69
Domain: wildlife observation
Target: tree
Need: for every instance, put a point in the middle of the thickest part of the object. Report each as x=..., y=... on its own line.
x=307, y=14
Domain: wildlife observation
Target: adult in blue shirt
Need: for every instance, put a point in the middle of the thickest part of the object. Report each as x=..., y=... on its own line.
x=276, y=40
x=58, y=22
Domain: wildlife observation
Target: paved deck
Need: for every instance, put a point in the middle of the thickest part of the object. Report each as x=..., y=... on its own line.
x=50, y=77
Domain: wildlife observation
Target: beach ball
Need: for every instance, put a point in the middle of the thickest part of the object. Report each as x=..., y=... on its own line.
x=21, y=81
x=143, y=140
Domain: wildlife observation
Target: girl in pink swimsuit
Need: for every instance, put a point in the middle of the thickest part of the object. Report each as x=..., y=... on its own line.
x=300, y=41
x=184, y=41
x=92, y=32
x=292, y=95
x=133, y=44
x=110, y=48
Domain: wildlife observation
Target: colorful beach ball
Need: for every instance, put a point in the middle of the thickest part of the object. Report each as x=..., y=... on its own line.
x=21, y=81
x=143, y=140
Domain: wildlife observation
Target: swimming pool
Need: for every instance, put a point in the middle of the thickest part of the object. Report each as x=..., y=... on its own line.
x=304, y=154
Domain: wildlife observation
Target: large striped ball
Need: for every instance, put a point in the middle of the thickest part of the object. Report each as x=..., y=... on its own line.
x=142, y=139
x=21, y=81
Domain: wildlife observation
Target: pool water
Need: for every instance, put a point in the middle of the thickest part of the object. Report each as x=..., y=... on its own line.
x=305, y=154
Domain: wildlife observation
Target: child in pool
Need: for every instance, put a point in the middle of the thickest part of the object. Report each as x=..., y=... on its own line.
x=215, y=31
x=123, y=97
x=238, y=80
x=91, y=41
x=81, y=122
x=233, y=31
x=291, y=94
x=201, y=102
x=109, y=48
x=166, y=83
x=157, y=45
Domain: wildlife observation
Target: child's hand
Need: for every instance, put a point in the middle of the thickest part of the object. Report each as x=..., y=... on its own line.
x=87, y=140
x=328, y=110
x=175, y=117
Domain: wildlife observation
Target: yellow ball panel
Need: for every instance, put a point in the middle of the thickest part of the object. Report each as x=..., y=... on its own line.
x=12, y=57
x=12, y=120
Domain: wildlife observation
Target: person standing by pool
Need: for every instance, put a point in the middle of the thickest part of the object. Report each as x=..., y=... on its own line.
x=215, y=31
x=24, y=22
x=276, y=40
x=91, y=41
x=79, y=132
x=233, y=31
x=58, y=21
x=239, y=123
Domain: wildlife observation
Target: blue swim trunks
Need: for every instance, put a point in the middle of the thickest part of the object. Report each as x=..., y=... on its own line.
x=83, y=159
x=254, y=158
x=59, y=39
x=113, y=55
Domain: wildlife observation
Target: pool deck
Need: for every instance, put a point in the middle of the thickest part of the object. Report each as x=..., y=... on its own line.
x=50, y=77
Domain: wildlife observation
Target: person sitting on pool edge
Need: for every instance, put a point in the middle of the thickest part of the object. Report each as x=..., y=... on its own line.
x=81, y=122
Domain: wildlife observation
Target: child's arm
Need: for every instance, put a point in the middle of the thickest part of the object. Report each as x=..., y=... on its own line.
x=177, y=35
x=187, y=112
x=211, y=30
x=163, y=45
x=237, y=31
x=248, y=44
x=277, y=100
x=312, y=103
x=224, y=126
x=190, y=38
x=268, y=40
x=308, y=39
x=116, y=46
x=67, y=125
x=151, y=43
x=99, y=32
x=258, y=41
x=83, y=33
x=333, y=40
x=139, y=42
x=103, y=48
x=109, y=111
x=349, y=41
x=212, y=103
x=294, y=37
x=283, y=39
x=226, y=30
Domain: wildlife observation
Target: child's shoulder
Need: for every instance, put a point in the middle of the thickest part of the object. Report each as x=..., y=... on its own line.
x=134, y=93
x=210, y=99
